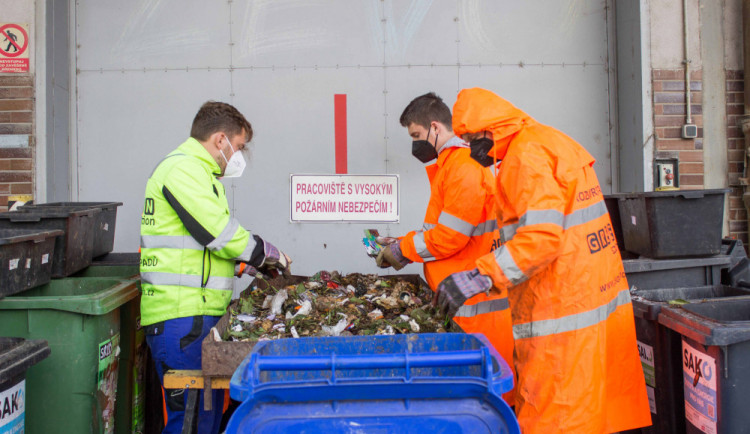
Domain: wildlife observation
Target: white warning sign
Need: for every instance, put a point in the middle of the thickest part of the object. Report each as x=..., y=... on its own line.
x=699, y=372
x=14, y=47
x=344, y=198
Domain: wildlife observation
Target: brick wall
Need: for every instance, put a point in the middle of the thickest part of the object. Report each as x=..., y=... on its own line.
x=736, y=157
x=16, y=118
x=669, y=116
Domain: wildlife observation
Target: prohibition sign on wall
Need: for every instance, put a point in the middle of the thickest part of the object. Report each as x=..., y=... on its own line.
x=14, y=44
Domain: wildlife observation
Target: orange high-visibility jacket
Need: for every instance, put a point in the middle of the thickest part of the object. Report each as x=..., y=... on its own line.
x=576, y=357
x=460, y=227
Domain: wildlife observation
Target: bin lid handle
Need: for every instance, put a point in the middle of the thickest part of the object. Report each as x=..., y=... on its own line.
x=692, y=194
x=24, y=217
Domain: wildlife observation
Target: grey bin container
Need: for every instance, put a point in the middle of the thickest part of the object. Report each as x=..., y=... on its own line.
x=671, y=224
x=73, y=249
x=648, y=273
x=661, y=355
x=104, y=225
x=25, y=258
x=715, y=362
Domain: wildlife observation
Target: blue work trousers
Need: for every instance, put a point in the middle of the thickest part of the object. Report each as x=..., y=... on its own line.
x=176, y=344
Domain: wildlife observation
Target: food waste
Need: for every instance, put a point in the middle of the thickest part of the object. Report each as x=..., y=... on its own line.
x=329, y=304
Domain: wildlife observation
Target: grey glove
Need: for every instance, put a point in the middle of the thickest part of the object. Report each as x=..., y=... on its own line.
x=274, y=259
x=391, y=257
x=241, y=268
x=455, y=289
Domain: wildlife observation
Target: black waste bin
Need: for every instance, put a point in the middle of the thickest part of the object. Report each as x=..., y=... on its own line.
x=25, y=258
x=104, y=224
x=73, y=249
x=715, y=362
x=17, y=355
x=660, y=351
x=670, y=224
x=645, y=273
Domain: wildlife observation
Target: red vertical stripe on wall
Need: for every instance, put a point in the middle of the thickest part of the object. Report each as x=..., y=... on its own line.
x=339, y=115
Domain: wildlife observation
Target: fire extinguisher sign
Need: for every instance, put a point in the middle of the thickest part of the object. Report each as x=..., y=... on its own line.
x=14, y=47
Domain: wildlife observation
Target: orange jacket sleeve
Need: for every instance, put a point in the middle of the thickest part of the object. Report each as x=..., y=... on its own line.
x=463, y=202
x=530, y=192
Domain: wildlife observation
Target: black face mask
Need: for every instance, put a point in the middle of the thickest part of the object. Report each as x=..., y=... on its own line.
x=479, y=150
x=423, y=149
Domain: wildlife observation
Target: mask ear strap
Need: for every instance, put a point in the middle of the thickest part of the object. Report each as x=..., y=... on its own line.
x=494, y=157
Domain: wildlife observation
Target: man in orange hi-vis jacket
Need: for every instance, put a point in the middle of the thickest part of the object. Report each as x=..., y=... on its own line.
x=576, y=358
x=459, y=225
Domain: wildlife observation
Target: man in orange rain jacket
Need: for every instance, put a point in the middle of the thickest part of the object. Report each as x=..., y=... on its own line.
x=459, y=225
x=576, y=358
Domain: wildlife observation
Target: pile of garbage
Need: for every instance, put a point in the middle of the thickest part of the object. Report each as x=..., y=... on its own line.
x=329, y=304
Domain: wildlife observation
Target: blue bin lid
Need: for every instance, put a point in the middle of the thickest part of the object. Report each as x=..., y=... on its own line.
x=449, y=372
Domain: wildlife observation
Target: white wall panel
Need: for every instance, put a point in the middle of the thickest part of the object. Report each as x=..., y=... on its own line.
x=139, y=34
x=126, y=124
x=146, y=66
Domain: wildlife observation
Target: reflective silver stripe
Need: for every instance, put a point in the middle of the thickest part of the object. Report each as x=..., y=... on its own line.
x=541, y=216
x=585, y=215
x=535, y=217
x=508, y=266
x=486, y=227
x=571, y=322
x=483, y=307
x=170, y=242
x=532, y=217
x=455, y=223
x=192, y=281
x=507, y=232
x=225, y=236
x=421, y=247
x=245, y=255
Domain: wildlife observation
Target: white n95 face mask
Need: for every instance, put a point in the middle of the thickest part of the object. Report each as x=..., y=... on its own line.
x=235, y=163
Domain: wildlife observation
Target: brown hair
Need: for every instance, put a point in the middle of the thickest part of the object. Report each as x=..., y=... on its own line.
x=216, y=117
x=425, y=109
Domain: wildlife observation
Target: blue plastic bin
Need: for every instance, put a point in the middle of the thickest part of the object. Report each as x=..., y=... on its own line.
x=447, y=382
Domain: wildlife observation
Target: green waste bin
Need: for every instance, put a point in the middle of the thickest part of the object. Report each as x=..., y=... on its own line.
x=131, y=395
x=74, y=390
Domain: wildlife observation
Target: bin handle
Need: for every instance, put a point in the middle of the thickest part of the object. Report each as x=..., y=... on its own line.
x=24, y=217
x=371, y=361
x=692, y=194
x=481, y=357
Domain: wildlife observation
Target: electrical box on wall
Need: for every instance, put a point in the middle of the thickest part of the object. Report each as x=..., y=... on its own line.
x=666, y=176
x=689, y=131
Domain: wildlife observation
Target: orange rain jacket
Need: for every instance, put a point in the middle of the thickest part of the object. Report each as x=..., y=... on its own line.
x=575, y=350
x=460, y=227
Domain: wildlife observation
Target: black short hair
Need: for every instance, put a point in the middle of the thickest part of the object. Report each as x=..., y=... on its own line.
x=425, y=109
x=216, y=117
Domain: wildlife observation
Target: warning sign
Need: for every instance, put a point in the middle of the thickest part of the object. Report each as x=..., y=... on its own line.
x=14, y=47
x=341, y=198
x=699, y=372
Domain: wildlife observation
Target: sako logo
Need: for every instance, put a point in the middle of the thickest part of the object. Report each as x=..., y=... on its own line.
x=698, y=367
x=105, y=351
x=12, y=403
x=148, y=208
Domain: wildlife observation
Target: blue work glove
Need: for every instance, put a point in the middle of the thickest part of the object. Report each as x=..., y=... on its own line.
x=455, y=289
x=274, y=259
x=391, y=256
